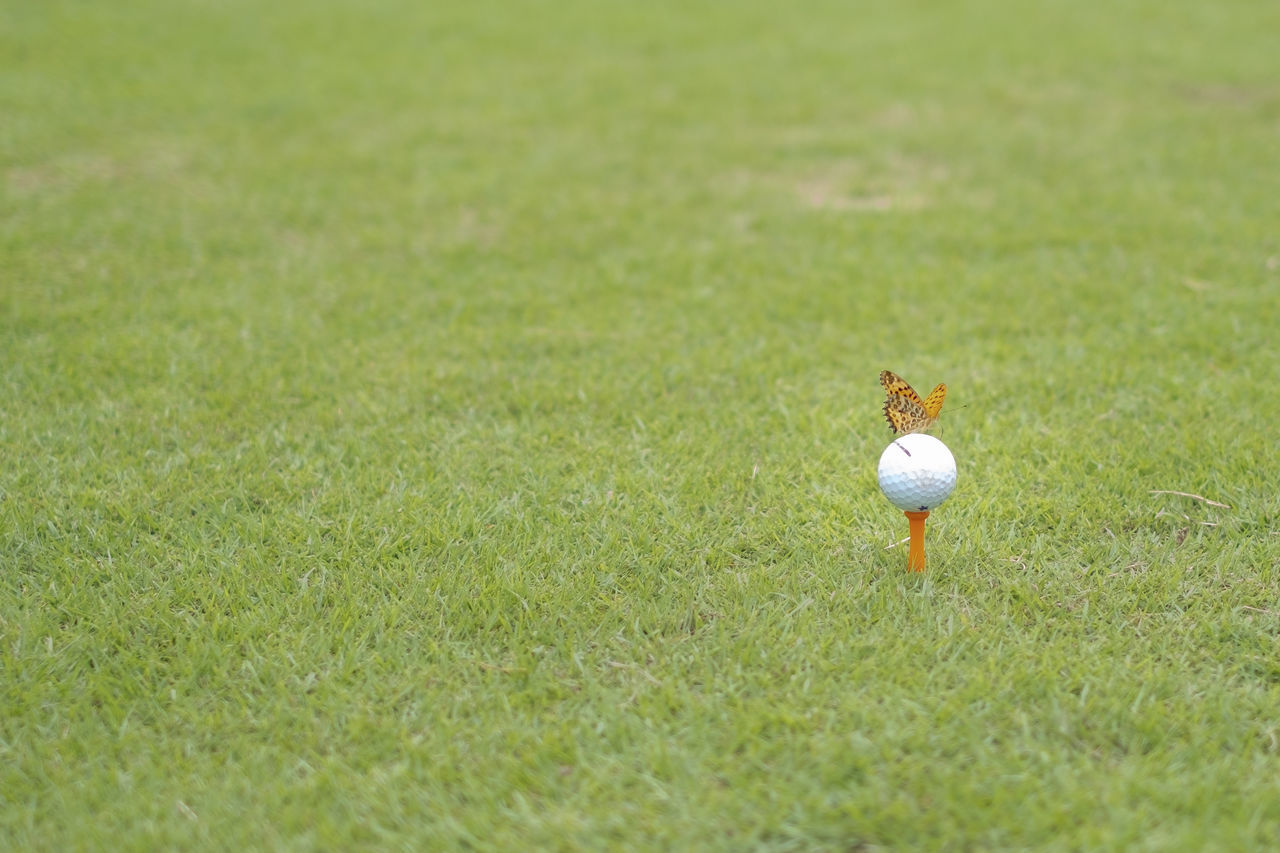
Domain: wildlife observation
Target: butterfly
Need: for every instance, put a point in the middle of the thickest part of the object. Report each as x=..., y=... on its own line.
x=904, y=409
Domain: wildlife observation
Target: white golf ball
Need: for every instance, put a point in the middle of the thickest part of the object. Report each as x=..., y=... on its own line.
x=917, y=472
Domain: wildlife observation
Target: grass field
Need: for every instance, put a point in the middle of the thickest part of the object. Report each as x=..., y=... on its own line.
x=454, y=425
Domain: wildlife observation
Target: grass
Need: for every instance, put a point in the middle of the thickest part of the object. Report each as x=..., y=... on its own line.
x=454, y=425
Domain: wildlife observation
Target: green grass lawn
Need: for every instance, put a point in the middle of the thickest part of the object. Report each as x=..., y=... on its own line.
x=454, y=425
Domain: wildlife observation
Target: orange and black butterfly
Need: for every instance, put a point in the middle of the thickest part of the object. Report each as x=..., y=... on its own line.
x=904, y=409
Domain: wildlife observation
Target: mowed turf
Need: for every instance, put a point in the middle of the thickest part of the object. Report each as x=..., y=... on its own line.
x=454, y=425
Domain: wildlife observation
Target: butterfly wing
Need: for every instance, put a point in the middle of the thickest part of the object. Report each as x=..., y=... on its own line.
x=933, y=403
x=896, y=386
x=907, y=416
x=903, y=408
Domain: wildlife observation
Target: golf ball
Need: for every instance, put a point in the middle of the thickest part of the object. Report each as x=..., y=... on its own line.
x=917, y=472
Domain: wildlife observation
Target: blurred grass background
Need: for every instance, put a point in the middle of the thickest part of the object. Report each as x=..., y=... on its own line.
x=454, y=425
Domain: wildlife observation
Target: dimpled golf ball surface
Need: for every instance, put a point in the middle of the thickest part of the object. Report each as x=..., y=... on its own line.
x=917, y=472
